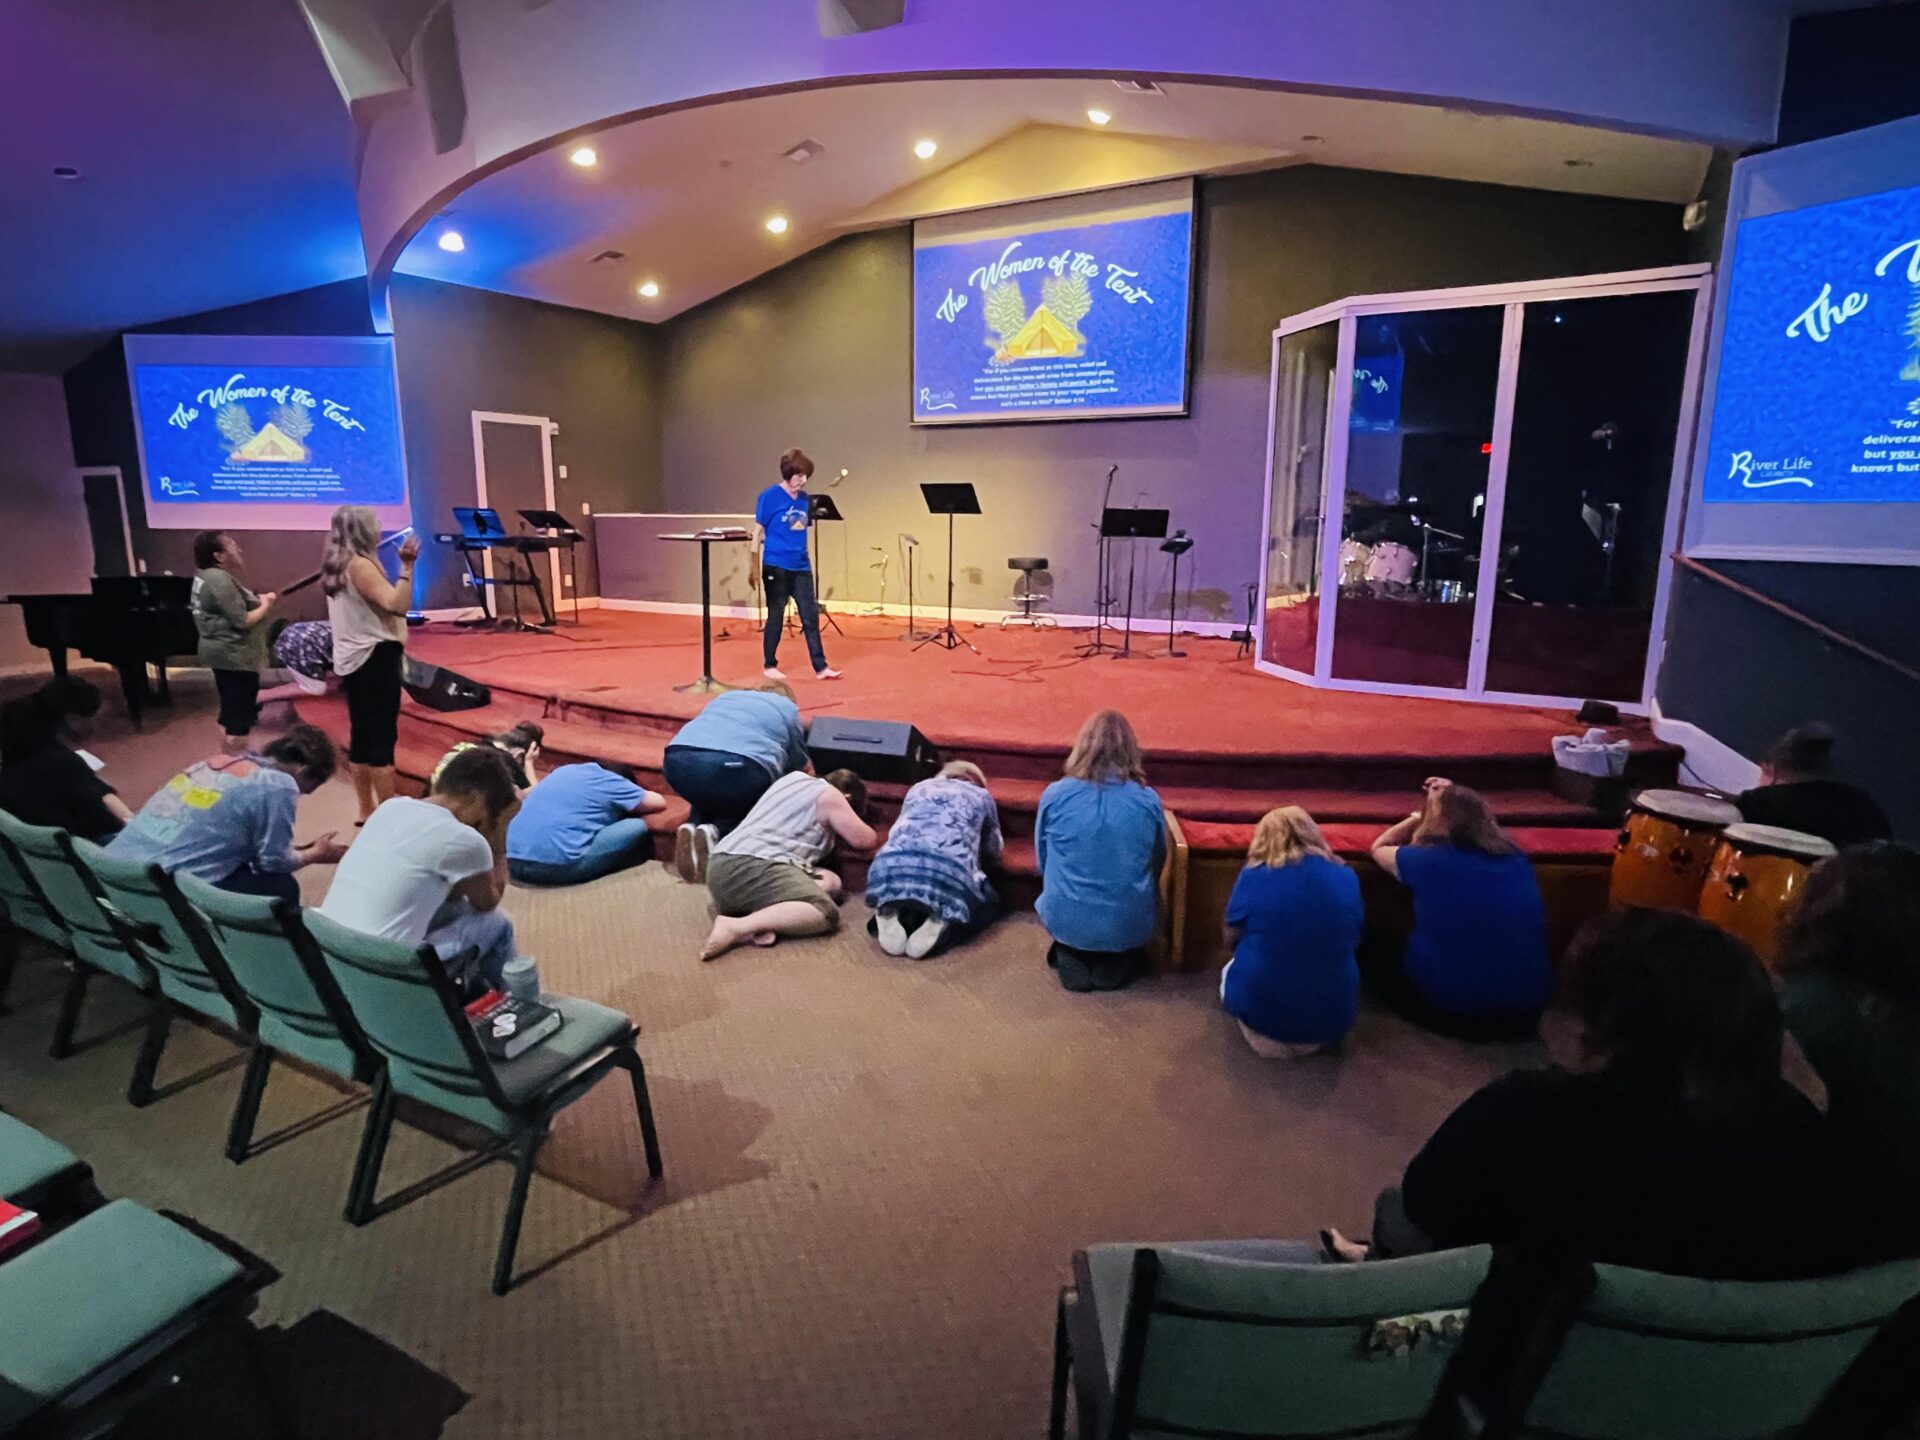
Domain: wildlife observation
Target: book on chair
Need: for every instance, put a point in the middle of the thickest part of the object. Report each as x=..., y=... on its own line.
x=508, y=1027
x=17, y=1227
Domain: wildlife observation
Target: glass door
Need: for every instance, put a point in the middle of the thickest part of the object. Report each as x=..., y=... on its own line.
x=1597, y=407
x=1419, y=440
x=1303, y=365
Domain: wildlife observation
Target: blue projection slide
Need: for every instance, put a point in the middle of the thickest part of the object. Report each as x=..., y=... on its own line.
x=1054, y=323
x=1819, y=388
x=277, y=434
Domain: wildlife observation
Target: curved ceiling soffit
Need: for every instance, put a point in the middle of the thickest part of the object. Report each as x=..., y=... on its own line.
x=380, y=269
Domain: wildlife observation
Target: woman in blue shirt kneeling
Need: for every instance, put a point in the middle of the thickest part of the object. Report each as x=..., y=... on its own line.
x=1293, y=925
x=1476, y=964
x=1101, y=836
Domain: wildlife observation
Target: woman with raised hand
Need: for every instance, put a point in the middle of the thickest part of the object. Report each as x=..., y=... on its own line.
x=368, y=613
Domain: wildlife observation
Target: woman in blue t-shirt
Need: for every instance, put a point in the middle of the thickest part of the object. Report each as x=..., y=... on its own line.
x=1101, y=837
x=1476, y=963
x=1293, y=924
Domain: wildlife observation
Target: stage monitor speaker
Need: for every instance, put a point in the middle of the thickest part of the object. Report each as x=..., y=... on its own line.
x=441, y=689
x=889, y=750
x=855, y=17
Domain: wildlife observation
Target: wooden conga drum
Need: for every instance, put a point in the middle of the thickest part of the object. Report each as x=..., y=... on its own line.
x=1755, y=872
x=1662, y=854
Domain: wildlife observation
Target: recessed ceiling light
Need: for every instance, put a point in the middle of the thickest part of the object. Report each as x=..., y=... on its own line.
x=925, y=149
x=65, y=172
x=452, y=240
x=776, y=224
x=649, y=289
x=585, y=156
x=1098, y=116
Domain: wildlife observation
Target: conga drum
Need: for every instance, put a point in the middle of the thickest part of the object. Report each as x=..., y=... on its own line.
x=1662, y=855
x=1755, y=872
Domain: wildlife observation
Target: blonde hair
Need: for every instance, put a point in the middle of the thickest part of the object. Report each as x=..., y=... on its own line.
x=355, y=533
x=964, y=770
x=1106, y=749
x=1286, y=834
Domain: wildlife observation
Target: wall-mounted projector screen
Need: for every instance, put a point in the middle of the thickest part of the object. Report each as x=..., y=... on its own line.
x=1069, y=309
x=1811, y=427
x=266, y=432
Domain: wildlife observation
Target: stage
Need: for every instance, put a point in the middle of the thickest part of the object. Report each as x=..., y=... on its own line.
x=1224, y=742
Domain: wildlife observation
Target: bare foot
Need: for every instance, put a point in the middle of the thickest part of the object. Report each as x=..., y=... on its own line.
x=722, y=938
x=764, y=938
x=1342, y=1250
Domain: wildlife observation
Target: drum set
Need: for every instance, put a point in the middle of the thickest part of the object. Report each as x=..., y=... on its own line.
x=1683, y=851
x=1389, y=570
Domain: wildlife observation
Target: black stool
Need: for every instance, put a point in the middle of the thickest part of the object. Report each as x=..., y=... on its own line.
x=1024, y=596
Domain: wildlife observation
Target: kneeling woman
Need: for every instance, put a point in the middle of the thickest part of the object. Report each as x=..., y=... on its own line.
x=1293, y=925
x=926, y=885
x=1101, y=836
x=766, y=877
x=1476, y=964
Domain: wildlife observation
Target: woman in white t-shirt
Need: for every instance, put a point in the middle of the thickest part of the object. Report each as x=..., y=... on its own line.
x=369, y=618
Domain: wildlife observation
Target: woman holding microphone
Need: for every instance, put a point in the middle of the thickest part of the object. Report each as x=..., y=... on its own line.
x=368, y=613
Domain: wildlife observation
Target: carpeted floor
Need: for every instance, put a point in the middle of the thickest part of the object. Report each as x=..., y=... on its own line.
x=876, y=1170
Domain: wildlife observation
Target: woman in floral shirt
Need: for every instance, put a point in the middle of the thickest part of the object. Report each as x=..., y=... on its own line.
x=927, y=883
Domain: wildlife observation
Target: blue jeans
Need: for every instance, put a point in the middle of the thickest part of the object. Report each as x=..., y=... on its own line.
x=799, y=585
x=457, y=928
x=623, y=843
x=720, y=786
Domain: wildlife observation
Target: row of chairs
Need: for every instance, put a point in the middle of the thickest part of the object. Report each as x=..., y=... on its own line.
x=1211, y=1339
x=294, y=985
x=103, y=1308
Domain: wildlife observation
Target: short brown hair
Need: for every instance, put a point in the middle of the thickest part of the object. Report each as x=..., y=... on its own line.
x=1105, y=749
x=207, y=546
x=1458, y=816
x=1286, y=834
x=1806, y=751
x=305, y=748
x=795, y=462
x=851, y=786
x=479, y=771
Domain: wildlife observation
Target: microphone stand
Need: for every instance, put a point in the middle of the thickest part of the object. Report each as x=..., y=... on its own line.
x=1102, y=598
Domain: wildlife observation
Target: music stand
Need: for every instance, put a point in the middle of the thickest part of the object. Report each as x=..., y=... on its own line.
x=560, y=529
x=1176, y=547
x=819, y=507
x=1132, y=524
x=952, y=500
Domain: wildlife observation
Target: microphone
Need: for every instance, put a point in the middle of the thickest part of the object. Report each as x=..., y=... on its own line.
x=906, y=539
x=1111, y=473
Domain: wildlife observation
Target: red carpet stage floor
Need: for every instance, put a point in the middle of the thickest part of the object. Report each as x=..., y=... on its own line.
x=1224, y=742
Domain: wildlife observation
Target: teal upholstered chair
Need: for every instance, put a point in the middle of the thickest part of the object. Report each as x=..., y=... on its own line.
x=411, y=1014
x=1660, y=1357
x=40, y=1174
x=97, y=1316
x=275, y=965
x=187, y=968
x=24, y=912
x=97, y=943
x=1211, y=1340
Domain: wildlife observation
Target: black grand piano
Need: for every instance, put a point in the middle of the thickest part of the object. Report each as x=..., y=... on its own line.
x=130, y=622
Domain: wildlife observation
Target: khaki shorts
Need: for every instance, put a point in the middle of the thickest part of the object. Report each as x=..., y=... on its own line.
x=742, y=884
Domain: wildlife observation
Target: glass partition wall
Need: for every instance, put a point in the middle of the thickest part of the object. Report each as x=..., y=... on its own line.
x=1472, y=493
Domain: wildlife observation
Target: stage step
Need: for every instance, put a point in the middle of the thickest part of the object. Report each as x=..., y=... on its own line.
x=428, y=734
